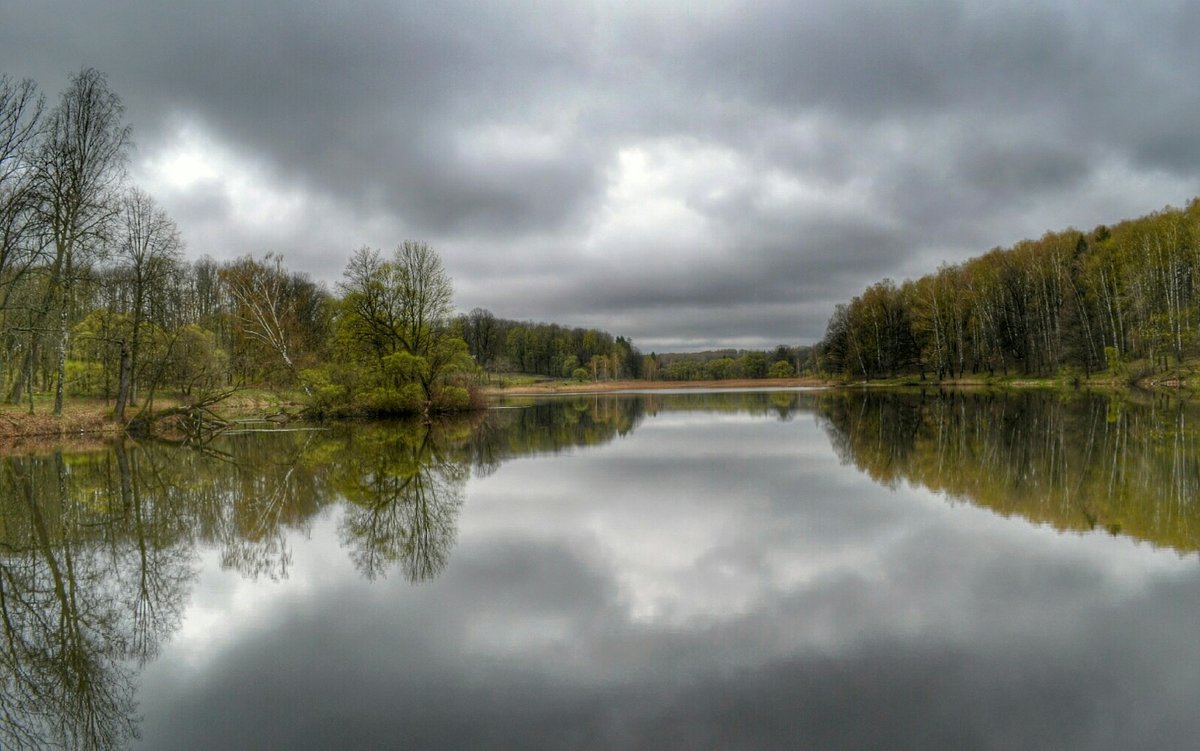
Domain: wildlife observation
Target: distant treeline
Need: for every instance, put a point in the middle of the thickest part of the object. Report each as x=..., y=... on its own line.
x=1082, y=301
x=503, y=346
x=715, y=365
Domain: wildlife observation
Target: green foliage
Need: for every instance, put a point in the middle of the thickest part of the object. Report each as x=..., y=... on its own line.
x=400, y=368
x=570, y=366
x=1112, y=360
x=453, y=399
x=722, y=367
x=547, y=349
x=395, y=351
x=196, y=362
x=580, y=374
x=753, y=365
x=725, y=364
x=781, y=369
x=1069, y=299
x=325, y=397
x=85, y=378
x=393, y=400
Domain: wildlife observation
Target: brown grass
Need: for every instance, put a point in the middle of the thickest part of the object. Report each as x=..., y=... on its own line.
x=77, y=417
x=84, y=425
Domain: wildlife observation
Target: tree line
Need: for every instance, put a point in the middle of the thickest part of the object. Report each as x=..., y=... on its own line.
x=716, y=365
x=1121, y=298
x=504, y=346
x=588, y=354
x=96, y=298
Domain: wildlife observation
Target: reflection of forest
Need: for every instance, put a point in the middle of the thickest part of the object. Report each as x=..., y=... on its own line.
x=99, y=550
x=1081, y=463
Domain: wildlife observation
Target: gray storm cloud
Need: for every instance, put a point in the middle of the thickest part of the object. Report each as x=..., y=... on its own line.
x=683, y=176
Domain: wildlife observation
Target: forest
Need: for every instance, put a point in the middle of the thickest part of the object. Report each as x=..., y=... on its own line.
x=722, y=364
x=1120, y=299
x=547, y=349
x=98, y=300
x=585, y=354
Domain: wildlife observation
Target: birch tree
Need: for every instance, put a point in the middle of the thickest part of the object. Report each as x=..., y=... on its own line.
x=272, y=307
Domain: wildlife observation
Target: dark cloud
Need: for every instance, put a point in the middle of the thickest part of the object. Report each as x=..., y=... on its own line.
x=811, y=148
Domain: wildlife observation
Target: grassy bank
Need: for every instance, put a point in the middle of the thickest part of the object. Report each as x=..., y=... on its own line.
x=80, y=416
x=92, y=418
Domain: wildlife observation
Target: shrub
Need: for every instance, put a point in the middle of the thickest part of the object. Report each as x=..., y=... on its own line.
x=454, y=398
x=782, y=369
x=385, y=400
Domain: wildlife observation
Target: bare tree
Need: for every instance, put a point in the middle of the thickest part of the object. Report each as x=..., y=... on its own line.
x=403, y=302
x=79, y=172
x=272, y=306
x=149, y=247
x=427, y=293
x=403, y=305
x=482, y=335
x=20, y=116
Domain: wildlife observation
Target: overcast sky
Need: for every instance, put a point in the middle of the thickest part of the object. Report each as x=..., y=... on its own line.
x=687, y=174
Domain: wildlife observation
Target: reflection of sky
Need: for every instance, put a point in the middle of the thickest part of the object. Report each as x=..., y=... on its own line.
x=708, y=581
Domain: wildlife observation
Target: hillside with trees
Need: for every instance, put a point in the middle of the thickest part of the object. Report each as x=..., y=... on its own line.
x=1121, y=299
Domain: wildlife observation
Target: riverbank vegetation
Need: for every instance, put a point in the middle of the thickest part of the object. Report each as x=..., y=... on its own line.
x=1117, y=302
x=98, y=303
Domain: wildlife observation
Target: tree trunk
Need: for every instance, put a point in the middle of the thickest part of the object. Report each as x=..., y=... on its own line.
x=123, y=383
x=24, y=371
x=63, y=341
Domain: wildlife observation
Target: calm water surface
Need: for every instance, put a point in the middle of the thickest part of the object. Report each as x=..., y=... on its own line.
x=684, y=571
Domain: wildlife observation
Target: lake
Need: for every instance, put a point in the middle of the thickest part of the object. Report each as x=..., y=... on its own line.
x=757, y=570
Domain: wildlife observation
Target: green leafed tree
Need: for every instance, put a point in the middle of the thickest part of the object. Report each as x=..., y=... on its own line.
x=397, y=350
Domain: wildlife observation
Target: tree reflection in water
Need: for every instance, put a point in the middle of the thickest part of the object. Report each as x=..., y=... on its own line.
x=1127, y=465
x=403, y=492
x=99, y=550
x=68, y=626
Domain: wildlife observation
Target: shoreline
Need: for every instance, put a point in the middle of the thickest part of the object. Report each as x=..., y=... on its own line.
x=90, y=421
x=614, y=387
